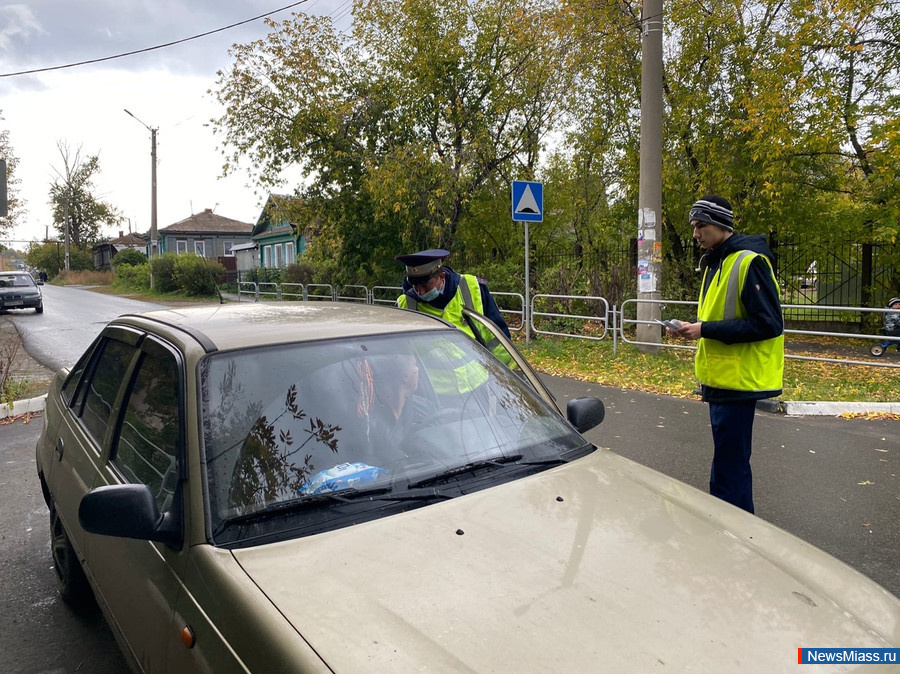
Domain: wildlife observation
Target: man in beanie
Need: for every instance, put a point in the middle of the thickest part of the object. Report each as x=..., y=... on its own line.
x=433, y=288
x=740, y=333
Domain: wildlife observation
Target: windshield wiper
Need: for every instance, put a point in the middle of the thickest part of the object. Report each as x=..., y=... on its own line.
x=414, y=494
x=467, y=468
x=282, y=507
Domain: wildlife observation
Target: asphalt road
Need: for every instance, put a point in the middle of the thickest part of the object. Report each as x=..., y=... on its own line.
x=830, y=481
x=38, y=632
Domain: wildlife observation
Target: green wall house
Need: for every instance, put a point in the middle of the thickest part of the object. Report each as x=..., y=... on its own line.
x=276, y=233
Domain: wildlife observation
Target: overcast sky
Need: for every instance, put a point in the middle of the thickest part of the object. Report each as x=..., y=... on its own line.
x=166, y=88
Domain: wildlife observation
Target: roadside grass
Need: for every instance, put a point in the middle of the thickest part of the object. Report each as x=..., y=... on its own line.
x=83, y=278
x=671, y=372
x=151, y=296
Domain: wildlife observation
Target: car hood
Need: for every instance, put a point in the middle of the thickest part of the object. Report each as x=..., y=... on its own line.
x=599, y=564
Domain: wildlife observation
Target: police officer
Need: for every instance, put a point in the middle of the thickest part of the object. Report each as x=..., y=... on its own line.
x=740, y=349
x=433, y=288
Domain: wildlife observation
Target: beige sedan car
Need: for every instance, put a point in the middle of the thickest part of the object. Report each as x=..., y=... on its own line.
x=325, y=487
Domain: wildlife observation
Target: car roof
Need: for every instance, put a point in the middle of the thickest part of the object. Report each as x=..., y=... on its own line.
x=231, y=326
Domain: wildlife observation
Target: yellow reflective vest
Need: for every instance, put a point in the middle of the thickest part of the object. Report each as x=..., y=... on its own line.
x=748, y=366
x=467, y=375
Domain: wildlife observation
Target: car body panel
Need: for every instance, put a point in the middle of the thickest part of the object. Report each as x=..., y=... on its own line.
x=232, y=326
x=564, y=570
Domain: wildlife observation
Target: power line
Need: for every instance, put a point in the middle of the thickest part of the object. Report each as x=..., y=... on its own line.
x=148, y=49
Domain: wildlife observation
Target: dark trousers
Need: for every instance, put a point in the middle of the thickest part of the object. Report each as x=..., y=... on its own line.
x=730, y=478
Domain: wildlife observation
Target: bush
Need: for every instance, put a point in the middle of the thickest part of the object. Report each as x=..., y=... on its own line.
x=298, y=272
x=197, y=276
x=128, y=256
x=163, y=268
x=133, y=277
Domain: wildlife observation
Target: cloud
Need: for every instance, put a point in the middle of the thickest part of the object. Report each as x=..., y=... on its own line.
x=18, y=24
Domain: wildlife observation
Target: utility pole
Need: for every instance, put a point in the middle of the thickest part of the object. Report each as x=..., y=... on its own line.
x=67, y=232
x=649, y=275
x=153, y=249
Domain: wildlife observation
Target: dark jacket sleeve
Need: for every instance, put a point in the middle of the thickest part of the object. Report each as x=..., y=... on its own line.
x=491, y=310
x=760, y=299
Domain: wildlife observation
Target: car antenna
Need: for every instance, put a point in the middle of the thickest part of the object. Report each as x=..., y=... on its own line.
x=213, y=279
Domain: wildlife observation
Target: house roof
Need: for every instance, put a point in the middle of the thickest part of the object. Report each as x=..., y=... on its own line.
x=274, y=214
x=208, y=222
x=129, y=240
x=243, y=246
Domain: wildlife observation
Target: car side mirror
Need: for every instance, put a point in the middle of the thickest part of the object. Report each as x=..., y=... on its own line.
x=128, y=511
x=585, y=413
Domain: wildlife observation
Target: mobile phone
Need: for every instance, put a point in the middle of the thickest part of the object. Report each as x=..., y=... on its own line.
x=671, y=324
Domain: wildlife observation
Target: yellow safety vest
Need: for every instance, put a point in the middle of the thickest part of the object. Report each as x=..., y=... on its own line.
x=467, y=375
x=749, y=366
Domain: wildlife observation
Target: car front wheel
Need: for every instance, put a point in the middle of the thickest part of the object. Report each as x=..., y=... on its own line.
x=70, y=579
x=39, y=309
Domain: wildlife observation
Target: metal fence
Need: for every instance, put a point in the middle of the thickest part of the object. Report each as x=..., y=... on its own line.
x=581, y=316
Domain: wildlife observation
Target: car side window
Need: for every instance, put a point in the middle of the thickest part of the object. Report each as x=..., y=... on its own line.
x=150, y=433
x=71, y=383
x=100, y=391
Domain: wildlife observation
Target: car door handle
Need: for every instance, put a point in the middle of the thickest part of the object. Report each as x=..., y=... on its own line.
x=60, y=447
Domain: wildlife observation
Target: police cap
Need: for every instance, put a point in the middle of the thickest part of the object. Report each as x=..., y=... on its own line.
x=420, y=266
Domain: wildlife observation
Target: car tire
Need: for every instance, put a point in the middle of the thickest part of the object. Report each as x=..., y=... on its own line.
x=877, y=349
x=70, y=579
x=39, y=309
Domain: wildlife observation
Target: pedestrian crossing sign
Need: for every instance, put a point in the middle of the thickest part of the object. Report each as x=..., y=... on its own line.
x=527, y=201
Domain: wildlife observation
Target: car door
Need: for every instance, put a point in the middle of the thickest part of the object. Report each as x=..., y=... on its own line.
x=140, y=580
x=84, y=412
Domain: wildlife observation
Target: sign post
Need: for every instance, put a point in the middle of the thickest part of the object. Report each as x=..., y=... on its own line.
x=527, y=206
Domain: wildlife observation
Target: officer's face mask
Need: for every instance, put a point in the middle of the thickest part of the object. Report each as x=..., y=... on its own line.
x=431, y=294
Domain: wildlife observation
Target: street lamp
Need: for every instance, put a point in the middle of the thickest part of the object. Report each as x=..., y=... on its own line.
x=152, y=131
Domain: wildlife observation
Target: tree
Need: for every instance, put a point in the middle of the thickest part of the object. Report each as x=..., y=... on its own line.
x=15, y=206
x=50, y=257
x=401, y=124
x=73, y=201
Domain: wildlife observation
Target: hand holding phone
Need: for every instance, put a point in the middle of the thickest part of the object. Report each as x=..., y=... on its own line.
x=672, y=324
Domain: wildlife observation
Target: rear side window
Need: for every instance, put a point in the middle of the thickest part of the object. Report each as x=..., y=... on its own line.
x=151, y=429
x=103, y=385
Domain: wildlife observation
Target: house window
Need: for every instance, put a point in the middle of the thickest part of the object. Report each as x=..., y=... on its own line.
x=289, y=255
x=227, y=245
x=267, y=257
x=181, y=246
x=278, y=256
x=200, y=247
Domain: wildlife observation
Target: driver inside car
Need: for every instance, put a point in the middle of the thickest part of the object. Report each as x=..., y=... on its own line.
x=388, y=403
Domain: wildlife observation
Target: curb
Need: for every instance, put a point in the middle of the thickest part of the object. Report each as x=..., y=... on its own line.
x=800, y=408
x=23, y=407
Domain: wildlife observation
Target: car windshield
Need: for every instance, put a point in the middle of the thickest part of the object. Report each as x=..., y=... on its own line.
x=15, y=280
x=302, y=438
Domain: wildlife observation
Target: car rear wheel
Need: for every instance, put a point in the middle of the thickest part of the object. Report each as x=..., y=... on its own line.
x=70, y=579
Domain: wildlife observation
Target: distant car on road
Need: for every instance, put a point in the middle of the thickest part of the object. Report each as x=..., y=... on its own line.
x=18, y=290
x=326, y=487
